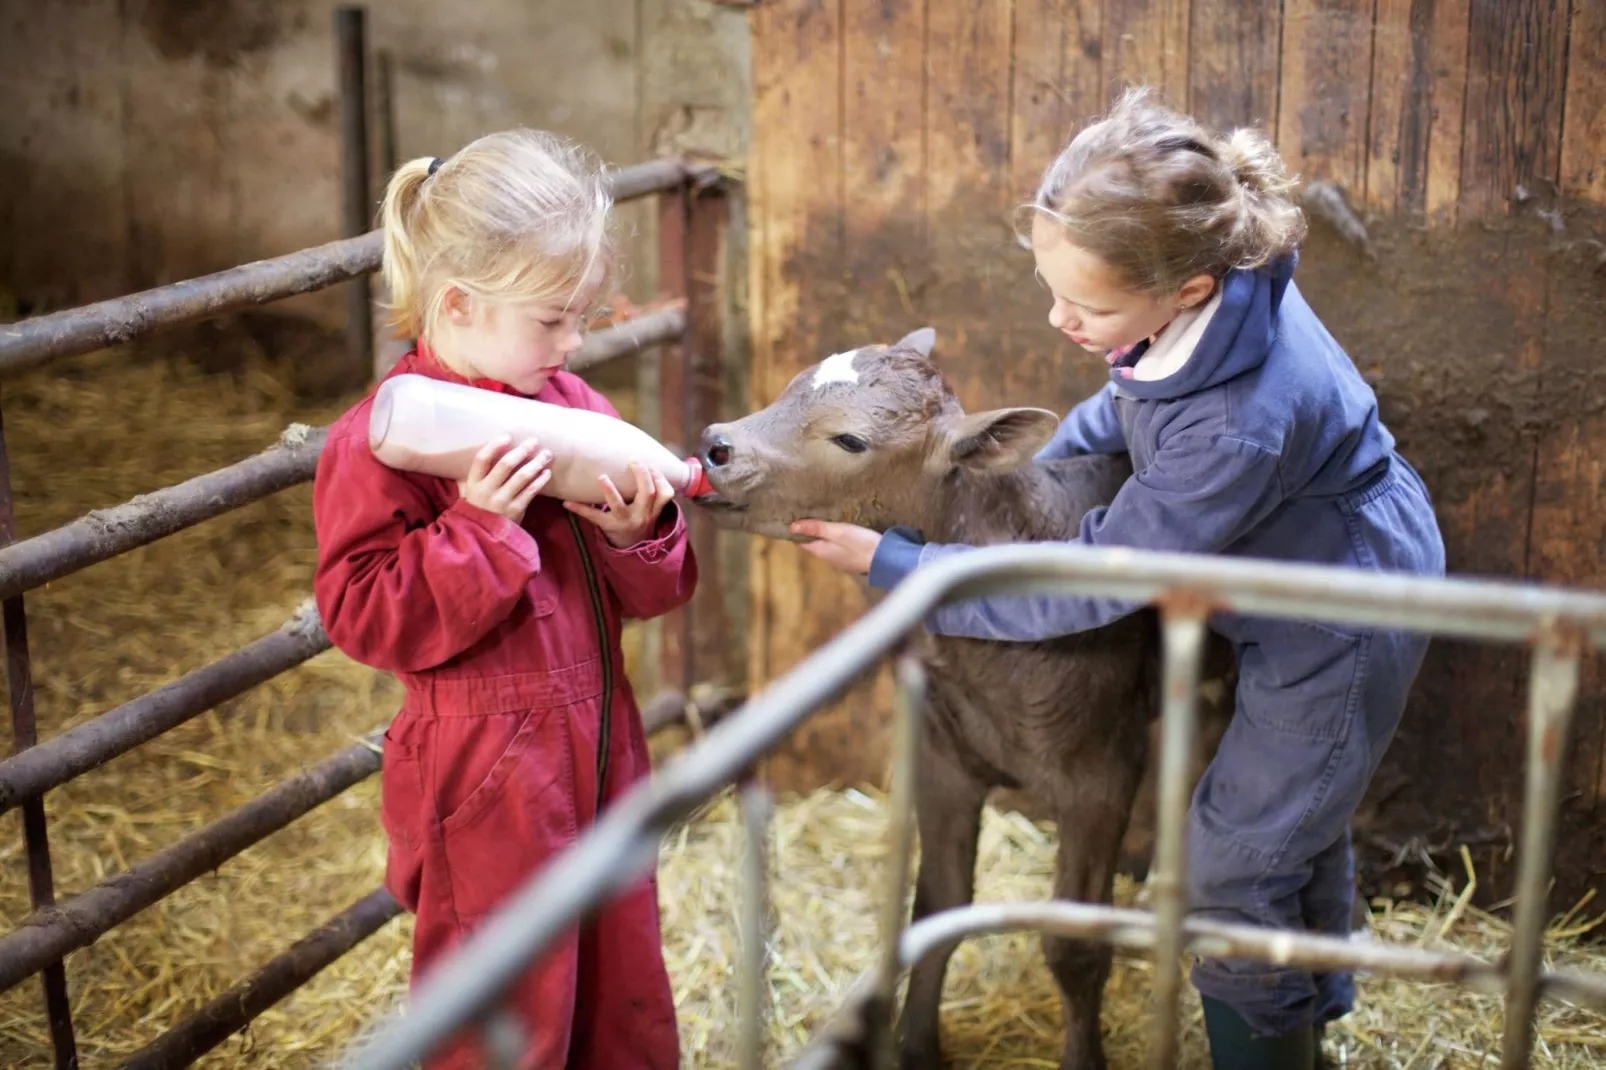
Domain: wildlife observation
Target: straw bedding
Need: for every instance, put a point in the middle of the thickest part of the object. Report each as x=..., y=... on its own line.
x=100, y=429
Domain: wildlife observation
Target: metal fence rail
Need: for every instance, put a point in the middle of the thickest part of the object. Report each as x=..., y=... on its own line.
x=1560, y=624
x=32, y=342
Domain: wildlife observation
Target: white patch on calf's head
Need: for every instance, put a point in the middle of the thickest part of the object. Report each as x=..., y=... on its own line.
x=837, y=368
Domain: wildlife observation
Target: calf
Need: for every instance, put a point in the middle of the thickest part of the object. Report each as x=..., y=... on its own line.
x=876, y=437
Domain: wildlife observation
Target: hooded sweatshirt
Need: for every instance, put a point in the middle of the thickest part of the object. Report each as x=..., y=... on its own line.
x=1247, y=425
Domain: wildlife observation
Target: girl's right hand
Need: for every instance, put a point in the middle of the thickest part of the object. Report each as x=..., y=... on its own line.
x=505, y=478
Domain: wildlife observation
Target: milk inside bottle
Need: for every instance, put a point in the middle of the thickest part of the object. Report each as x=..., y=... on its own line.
x=419, y=424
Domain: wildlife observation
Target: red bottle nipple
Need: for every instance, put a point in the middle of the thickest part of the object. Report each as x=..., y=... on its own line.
x=699, y=484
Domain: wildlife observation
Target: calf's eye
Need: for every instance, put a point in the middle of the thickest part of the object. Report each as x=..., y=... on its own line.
x=851, y=443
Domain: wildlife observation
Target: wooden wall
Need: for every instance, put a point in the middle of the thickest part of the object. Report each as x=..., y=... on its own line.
x=890, y=140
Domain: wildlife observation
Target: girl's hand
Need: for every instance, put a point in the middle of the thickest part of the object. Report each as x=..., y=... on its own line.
x=627, y=524
x=845, y=547
x=504, y=478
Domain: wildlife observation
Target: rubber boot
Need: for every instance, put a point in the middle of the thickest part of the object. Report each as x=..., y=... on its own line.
x=1234, y=1046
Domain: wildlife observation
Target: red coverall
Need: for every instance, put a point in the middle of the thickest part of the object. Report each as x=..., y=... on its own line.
x=498, y=632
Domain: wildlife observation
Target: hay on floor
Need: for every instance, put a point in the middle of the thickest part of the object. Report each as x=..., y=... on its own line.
x=1001, y=1008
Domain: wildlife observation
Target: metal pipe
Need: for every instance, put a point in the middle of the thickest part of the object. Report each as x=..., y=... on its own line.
x=31, y=342
x=622, y=339
x=105, y=533
x=1183, y=636
x=1552, y=689
x=47, y=935
x=1319, y=953
x=35, y=771
x=385, y=109
x=756, y=809
x=622, y=845
x=24, y=737
x=214, y=1023
x=909, y=710
x=356, y=200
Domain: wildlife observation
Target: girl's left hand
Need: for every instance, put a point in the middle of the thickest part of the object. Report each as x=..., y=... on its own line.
x=624, y=524
x=845, y=547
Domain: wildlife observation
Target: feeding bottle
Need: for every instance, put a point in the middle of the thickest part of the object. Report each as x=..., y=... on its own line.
x=433, y=427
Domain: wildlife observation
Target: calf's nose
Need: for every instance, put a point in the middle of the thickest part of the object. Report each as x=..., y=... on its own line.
x=717, y=448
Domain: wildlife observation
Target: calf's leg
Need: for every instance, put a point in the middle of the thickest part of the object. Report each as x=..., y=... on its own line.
x=948, y=813
x=1094, y=803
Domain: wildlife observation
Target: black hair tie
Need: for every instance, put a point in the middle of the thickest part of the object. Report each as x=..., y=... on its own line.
x=435, y=164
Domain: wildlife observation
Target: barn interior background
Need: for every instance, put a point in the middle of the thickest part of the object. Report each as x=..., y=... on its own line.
x=882, y=146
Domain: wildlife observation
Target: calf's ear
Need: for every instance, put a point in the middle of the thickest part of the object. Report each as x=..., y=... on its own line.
x=921, y=341
x=1000, y=440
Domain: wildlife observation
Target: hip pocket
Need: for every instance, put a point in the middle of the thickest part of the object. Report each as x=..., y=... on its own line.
x=403, y=815
x=1300, y=678
x=515, y=818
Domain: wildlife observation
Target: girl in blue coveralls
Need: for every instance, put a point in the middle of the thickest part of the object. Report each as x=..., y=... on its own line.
x=1170, y=250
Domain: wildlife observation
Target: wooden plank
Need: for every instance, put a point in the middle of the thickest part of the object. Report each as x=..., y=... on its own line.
x=1515, y=65
x=968, y=195
x=1419, y=85
x=1326, y=86
x=1583, y=138
x=883, y=113
x=1056, y=86
x=1146, y=43
x=1233, y=71
x=1569, y=511
x=794, y=192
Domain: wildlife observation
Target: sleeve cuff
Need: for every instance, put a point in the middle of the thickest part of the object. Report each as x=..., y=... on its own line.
x=670, y=527
x=897, y=555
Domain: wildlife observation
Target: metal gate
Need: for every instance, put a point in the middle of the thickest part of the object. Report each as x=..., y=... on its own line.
x=693, y=209
x=1560, y=626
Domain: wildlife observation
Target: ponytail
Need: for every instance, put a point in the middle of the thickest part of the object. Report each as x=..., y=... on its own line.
x=1269, y=223
x=400, y=266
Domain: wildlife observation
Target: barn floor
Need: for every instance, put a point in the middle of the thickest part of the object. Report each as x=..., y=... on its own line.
x=103, y=428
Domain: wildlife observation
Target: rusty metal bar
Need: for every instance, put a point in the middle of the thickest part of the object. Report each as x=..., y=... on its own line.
x=708, y=637
x=622, y=845
x=31, y=342
x=1552, y=691
x=24, y=736
x=35, y=771
x=47, y=935
x=356, y=199
x=385, y=109
x=622, y=339
x=214, y=1023
x=105, y=533
x=675, y=627
x=1182, y=636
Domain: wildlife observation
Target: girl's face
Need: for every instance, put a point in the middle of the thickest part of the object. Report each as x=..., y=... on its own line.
x=519, y=344
x=1093, y=306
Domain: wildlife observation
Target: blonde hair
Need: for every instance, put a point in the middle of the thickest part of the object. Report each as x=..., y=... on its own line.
x=519, y=215
x=1161, y=198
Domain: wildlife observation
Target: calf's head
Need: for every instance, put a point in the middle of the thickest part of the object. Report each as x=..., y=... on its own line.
x=871, y=436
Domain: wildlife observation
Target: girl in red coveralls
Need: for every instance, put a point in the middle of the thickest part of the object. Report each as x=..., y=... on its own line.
x=499, y=610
